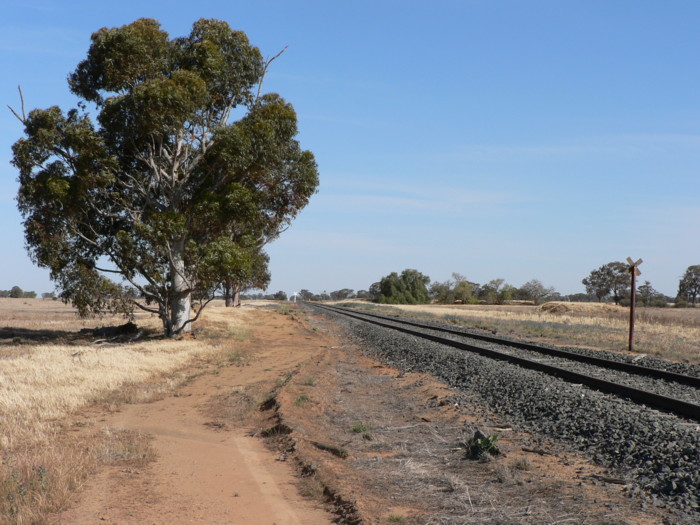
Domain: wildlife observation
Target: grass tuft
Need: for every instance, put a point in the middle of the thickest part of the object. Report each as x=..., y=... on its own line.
x=301, y=400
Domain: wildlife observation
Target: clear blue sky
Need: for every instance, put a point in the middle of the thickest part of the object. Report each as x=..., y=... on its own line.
x=495, y=138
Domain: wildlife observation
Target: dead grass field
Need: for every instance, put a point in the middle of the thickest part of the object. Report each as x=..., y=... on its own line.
x=668, y=333
x=49, y=369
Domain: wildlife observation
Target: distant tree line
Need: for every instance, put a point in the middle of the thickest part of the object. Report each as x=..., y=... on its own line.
x=413, y=287
x=17, y=293
x=609, y=283
x=277, y=296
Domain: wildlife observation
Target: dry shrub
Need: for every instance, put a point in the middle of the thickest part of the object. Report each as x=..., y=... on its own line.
x=36, y=481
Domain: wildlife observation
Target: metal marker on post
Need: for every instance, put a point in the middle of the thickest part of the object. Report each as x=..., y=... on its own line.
x=634, y=270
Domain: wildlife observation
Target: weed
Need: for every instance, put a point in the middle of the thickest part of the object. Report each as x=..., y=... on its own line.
x=396, y=518
x=234, y=358
x=301, y=401
x=283, y=380
x=360, y=427
x=283, y=309
x=310, y=381
x=521, y=464
x=122, y=446
x=481, y=446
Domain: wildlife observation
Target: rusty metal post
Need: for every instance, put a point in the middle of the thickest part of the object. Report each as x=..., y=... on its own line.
x=632, y=305
x=634, y=270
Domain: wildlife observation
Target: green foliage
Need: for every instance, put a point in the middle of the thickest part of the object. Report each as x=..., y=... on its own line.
x=284, y=309
x=301, y=400
x=648, y=296
x=360, y=427
x=408, y=288
x=166, y=190
x=339, y=295
x=17, y=293
x=306, y=295
x=481, y=446
x=613, y=277
x=689, y=285
x=456, y=290
x=496, y=291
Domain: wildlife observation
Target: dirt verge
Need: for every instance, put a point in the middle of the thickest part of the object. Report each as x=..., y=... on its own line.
x=346, y=434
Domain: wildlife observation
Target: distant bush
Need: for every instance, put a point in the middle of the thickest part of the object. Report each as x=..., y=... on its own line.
x=17, y=293
x=411, y=287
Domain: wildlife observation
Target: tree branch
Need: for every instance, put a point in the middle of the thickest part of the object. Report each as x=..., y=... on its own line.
x=23, y=118
x=106, y=270
x=199, y=312
x=264, y=72
x=146, y=308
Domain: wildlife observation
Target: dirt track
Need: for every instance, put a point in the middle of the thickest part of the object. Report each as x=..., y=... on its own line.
x=405, y=464
x=205, y=471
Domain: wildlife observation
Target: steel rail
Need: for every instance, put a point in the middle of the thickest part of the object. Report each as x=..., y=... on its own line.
x=630, y=368
x=670, y=404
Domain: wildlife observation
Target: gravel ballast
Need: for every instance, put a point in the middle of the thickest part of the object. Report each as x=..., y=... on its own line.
x=657, y=454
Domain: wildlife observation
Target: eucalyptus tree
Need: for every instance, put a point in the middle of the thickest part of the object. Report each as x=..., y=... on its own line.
x=411, y=287
x=612, y=277
x=689, y=285
x=186, y=173
x=535, y=291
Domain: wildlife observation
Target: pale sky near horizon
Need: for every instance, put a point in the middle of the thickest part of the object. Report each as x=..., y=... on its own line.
x=494, y=138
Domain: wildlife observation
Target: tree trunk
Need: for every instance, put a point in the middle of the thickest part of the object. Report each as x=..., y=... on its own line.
x=232, y=294
x=181, y=296
x=228, y=293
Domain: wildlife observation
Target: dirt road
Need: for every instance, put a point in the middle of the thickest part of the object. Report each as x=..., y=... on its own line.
x=204, y=471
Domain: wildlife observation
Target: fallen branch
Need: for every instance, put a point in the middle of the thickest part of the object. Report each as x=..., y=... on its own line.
x=607, y=479
x=336, y=451
x=537, y=451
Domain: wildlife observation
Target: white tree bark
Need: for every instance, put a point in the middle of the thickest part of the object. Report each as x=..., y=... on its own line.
x=181, y=294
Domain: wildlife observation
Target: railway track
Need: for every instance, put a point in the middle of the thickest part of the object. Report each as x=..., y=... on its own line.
x=595, y=374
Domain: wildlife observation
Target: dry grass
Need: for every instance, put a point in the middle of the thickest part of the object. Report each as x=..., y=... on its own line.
x=663, y=332
x=48, y=370
x=35, y=481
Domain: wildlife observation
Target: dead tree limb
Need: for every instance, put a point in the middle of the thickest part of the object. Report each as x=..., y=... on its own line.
x=23, y=118
x=264, y=71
